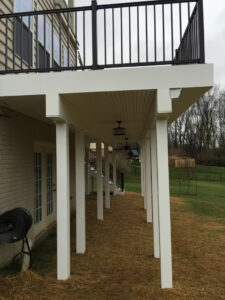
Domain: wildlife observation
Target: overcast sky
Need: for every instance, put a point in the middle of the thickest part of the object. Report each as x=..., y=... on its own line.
x=214, y=33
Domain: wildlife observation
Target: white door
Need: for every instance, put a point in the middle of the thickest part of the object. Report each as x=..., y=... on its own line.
x=44, y=188
x=50, y=186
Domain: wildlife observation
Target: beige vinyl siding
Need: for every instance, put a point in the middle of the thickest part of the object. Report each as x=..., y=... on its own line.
x=8, y=7
x=18, y=134
x=19, y=137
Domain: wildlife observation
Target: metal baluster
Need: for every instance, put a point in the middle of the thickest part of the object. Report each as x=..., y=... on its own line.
x=94, y=35
x=201, y=31
x=21, y=58
x=14, y=42
x=68, y=40
x=6, y=44
x=52, y=40
x=84, y=43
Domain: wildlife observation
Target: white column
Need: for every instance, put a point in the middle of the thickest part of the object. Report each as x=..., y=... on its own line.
x=87, y=172
x=80, y=193
x=63, y=201
x=99, y=181
x=148, y=182
x=155, y=202
x=107, y=188
x=114, y=174
x=164, y=204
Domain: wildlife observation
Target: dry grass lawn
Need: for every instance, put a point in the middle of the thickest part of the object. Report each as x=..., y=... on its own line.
x=119, y=261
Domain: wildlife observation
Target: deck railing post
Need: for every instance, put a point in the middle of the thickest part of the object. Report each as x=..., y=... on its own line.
x=94, y=34
x=201, y=31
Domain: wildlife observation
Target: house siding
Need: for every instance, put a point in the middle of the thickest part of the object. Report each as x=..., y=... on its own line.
x=7, y=7
x=18, y=134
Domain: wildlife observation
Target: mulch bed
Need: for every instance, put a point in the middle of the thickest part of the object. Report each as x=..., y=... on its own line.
x=119, y=262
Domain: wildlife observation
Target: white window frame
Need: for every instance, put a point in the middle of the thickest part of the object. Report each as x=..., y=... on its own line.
x=47, y=219
x=39, y=207
x=49, y=183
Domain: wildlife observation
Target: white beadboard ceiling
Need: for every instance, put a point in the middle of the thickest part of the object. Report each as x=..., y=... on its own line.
x=98, y=112
x=102, y=110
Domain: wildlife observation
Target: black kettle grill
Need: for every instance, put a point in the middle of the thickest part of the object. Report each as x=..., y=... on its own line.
x=14, y=226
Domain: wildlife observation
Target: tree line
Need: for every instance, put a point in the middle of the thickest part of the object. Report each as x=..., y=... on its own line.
x=200, y=131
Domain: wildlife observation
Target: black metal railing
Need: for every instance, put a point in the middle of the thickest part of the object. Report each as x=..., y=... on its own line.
x=119, y=177
x=103, y=36
x=119, y=173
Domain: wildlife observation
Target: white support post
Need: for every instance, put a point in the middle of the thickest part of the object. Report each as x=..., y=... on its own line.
x=87, y=172
x=164, y=203
x=114, y=174
x=80, y=193
x=155, y=202
x=63, y=201
x=148, y=183
x=107, y=187
x=99, y=182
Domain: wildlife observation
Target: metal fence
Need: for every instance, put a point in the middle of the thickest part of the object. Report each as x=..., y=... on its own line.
x=103, y=36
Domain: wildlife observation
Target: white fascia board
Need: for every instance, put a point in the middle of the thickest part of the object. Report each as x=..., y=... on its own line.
x=124, y=79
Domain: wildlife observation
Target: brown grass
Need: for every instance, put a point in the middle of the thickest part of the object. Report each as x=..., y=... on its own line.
x=119, y=261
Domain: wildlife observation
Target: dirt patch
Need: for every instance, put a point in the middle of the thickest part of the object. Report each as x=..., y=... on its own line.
x=119, y=261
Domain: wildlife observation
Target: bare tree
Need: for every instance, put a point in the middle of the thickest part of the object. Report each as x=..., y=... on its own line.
x=200, y=131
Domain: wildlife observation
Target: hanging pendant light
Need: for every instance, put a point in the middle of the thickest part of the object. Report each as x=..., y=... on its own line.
x=119, y=131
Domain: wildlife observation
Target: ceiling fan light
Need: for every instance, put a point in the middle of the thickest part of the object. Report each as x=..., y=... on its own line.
x=119, y=131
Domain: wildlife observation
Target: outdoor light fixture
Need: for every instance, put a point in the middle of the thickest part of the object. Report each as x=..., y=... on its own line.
x=119, y=131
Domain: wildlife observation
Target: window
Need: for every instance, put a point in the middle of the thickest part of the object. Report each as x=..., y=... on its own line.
x=44, y=48
x=23, y=6
x=56, y=50
x=49, y=171
x=37, y=187
x=23, y=31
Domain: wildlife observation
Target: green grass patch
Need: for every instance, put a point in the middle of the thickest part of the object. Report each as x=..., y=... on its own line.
x=206, y=199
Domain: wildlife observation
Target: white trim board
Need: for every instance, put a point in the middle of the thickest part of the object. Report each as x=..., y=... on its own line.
x=126, y=79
